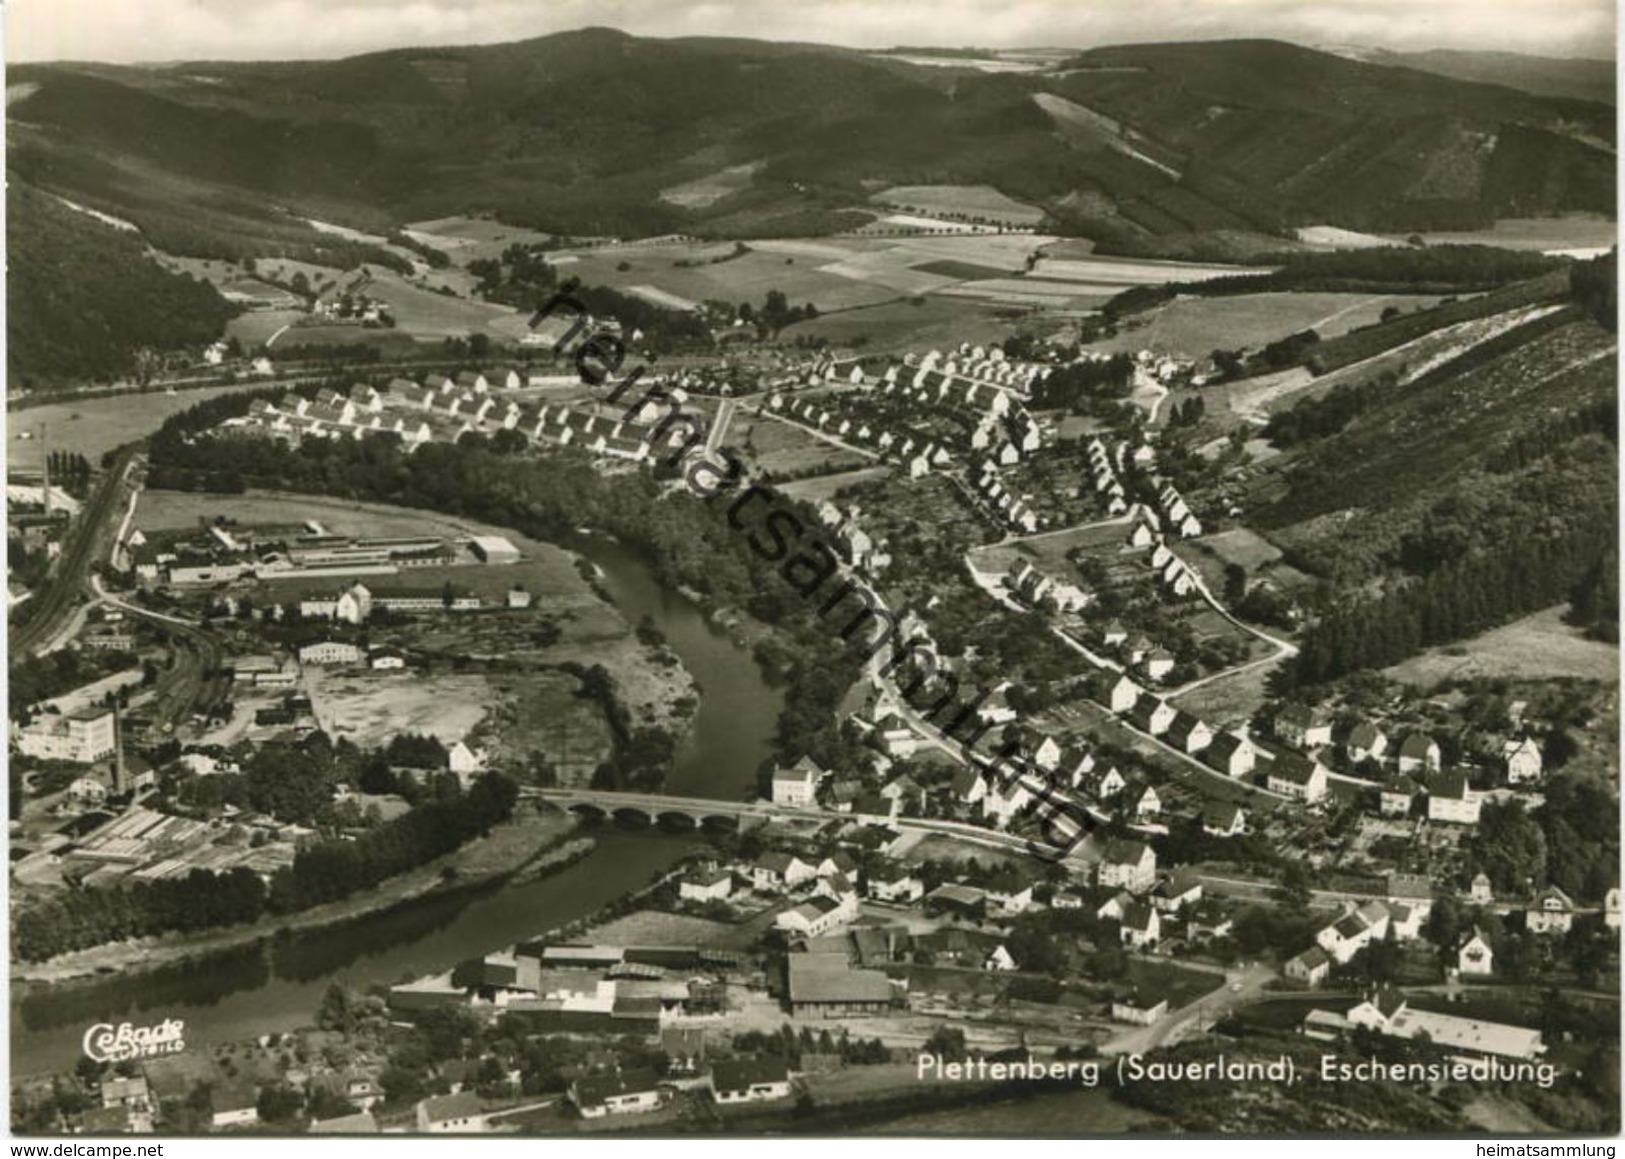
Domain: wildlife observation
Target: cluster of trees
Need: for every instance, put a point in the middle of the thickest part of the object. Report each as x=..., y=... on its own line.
x=69, y=470
x=1594, y=285
x=1571, y=842
x=1079, y=386
x=37, y=678
x=76, y=918
x=775, y=314
x=788, y=1044
x=332, y=870
x=86, y=300
x=326, y=871
x=1316, y=418
x=1461, y=597
x=437, y=259
x=522, y=277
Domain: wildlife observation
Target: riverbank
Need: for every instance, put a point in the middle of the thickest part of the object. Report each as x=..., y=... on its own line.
x=536, y=841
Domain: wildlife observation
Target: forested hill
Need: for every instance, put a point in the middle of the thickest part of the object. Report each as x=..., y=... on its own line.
x=1479, y=490
x=83, y=298
x=1136, y=146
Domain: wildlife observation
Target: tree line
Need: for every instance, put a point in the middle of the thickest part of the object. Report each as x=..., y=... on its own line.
x=329, y=870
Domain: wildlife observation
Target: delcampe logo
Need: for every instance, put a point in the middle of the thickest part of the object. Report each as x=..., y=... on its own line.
x=104, y=1042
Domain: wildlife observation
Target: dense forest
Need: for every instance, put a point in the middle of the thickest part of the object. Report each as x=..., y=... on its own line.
x=85, y=299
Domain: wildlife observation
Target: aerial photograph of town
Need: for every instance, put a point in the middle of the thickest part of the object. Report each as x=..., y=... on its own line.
x=629, y=570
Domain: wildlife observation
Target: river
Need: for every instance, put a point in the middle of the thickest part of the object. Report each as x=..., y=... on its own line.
x=261, y=989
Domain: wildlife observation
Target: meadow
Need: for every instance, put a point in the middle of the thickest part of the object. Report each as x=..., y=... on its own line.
x=93, y=426
x=1539, y=646
x=1194, y=327
x=979, y=201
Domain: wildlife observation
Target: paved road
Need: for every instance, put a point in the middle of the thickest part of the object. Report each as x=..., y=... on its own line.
x=1195, y=1015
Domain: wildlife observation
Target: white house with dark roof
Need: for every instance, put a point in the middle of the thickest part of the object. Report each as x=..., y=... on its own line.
x=1299, y=777
x=1452, y=799
x=1230, y=753
x=1522, y=759
x=1418, y=752
x=797, y=786
x=1127, y=864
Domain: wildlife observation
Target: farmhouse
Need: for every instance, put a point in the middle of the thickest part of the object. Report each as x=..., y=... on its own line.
x=706, y=887
x=1224, y=820
x=1419, y=752
x=1309, y=967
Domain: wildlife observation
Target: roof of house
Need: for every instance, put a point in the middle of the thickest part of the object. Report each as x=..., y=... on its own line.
x=1417, y=745
x=1301, y=715
x=802, y=769
x=1448, y=784
x=1122, y=851
x=360, y=1123
x=777, y=860
x=1364, y=735
x=740, y=1074
x=1296, y=769
x=1226, y=743
x=1184, y=724
x=1313, y=958
x=592, y=1090
x=827, y=978
x=1223, y=815
x=1350, y=926
x=1138, y=917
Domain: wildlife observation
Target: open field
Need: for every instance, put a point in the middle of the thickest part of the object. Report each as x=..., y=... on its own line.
x=712, y=188
x=1036, y=292
x=746, y=278
x=1539, y=646
x=257, y=327
x=369, y=708
x=786, y=449
x=1048, y=552
x=1126, y=272
x=816, y=490
x=1193, y=327
x=93, y=426
x=979, y=201
x=911, y=325
x=466, y=238
x=1242, y=547
x=424, y=313
x=1576, y=232
x=1230, y=700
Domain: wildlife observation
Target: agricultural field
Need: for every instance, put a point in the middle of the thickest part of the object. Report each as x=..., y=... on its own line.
x=1194, y=327
x=1036, y=292
x=747, y=278
x=1125, y=272
x=424, y=313
x=981, y=202
x=913, y=324
x=1539, y=646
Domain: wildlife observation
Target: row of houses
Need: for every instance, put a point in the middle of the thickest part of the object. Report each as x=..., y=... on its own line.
x=921, y=455
x=1311, y=728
